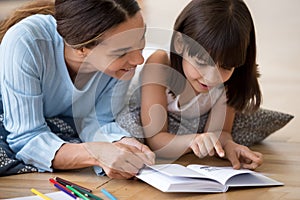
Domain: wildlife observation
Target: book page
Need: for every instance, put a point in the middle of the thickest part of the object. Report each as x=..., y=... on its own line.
x=177, y=170
x=220, y=174
x=167, y=183
x=53, y=195
x=249, y=180
x=226, y=176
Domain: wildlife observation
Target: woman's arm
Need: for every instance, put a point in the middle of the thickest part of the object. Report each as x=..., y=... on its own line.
x=122, y=159
x=73, y=156
x=119, y=155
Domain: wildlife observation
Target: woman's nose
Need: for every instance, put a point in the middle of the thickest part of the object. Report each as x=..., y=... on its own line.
x=136, y=57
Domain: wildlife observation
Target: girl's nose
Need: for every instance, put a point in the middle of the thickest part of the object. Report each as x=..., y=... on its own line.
x=213, y=76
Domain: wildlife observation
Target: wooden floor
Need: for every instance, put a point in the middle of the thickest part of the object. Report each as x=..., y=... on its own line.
x=278, y=44
x=282, y=160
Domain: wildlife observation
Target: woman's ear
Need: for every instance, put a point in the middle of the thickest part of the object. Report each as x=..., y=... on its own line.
x=81, y=52
x=178, y=43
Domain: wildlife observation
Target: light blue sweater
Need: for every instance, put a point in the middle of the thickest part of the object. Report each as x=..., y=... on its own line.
x=35, y=85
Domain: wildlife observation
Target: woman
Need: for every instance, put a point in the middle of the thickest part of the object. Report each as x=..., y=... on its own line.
x=67, y=61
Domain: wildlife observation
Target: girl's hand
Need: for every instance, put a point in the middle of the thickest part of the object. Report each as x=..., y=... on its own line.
x=206, y=144
x=122, y=159
x=241, y=156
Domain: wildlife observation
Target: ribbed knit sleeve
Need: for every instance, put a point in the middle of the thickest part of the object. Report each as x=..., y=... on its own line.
x=22, y=73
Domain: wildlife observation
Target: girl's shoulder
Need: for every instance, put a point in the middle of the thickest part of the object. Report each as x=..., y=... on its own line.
x=160, y=57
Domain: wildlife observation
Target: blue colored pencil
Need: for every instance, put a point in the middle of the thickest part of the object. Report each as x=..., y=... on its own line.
x=65, y=191
x=109, y=195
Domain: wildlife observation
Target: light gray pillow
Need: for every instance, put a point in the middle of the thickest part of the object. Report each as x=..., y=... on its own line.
x=248, y=129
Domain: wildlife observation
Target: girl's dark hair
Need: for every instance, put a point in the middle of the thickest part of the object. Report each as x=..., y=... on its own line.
x=225, y=29
x=78, y=21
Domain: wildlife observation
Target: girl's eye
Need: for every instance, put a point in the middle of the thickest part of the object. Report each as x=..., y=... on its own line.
x=227, y=68
x=201, y=64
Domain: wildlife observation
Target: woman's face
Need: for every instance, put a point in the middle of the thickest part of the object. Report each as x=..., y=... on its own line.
x=121, y=50
x=202, y=76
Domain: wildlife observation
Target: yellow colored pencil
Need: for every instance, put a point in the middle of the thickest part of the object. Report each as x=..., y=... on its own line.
x=34, y=191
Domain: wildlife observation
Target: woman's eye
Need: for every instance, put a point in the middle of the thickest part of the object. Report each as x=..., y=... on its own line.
x=121, y=55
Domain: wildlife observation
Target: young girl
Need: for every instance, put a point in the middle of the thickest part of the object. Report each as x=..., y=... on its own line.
x=211, y=69
x=67, y=61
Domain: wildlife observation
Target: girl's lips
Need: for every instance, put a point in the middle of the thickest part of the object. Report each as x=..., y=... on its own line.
x=203, y=86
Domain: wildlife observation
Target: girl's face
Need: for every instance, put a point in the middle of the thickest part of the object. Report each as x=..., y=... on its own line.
x=121, y=50
x=202, y=76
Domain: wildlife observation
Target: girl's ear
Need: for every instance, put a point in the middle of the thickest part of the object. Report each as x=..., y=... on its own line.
x=178, y=43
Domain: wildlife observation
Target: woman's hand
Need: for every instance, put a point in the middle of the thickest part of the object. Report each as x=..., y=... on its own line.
x=241, y=156
x=206, y=144
x=122, y=159
x=143, y=148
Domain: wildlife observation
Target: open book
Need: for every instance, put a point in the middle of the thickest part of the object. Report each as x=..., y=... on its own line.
x=201, y=178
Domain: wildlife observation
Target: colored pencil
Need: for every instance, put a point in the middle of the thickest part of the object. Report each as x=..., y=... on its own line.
x=40, y=194
x=77, y=193
x=109, y=195
x=66, y=182
x=87, y=194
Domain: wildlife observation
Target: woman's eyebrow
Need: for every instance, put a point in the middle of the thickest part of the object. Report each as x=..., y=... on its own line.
x=121, y=50
x=145, y=29
x=128, y=48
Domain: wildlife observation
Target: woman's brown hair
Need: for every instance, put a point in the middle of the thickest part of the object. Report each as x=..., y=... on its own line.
x=225, y=29
x=79, y=22
x=28, y=9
